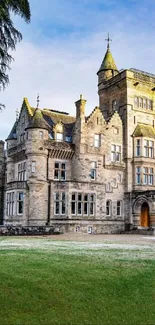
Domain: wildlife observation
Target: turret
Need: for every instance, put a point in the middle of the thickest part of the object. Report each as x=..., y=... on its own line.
x=108, y=68
x=37, y=133
x=37, y=155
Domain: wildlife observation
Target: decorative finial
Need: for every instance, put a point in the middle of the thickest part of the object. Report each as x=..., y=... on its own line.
x=108, y=41
x=17, y=114
x=38, y=101
x=81, y=96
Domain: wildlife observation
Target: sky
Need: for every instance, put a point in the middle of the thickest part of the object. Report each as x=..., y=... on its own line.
x=64, y=45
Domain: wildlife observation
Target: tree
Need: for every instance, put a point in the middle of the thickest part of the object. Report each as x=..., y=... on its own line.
x=9, y=35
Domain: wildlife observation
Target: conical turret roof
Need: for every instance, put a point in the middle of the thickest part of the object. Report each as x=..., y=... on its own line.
x=37, y=121
x=108, y=62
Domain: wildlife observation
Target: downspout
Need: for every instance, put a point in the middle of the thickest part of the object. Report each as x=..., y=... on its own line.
x=49, y=191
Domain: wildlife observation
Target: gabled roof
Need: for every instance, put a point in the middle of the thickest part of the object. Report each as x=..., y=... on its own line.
x=144, y=130
x=108, y=62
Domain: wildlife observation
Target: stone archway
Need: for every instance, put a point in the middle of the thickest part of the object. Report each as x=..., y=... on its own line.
x=144, y=216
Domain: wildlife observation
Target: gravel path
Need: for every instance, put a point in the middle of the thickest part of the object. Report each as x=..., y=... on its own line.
x=120, y=239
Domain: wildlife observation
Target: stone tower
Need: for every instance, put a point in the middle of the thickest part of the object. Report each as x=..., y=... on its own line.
x=108, y=70
x=37, y=155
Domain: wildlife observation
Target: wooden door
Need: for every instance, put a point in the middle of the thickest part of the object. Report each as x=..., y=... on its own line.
x=144, y=219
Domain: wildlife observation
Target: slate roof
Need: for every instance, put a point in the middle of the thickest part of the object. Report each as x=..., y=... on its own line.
x=144, y=130
x=48, y=118
x=12, y=134
x=37, y=121
x=45, y=119
x=108, y=62
x=57, y=117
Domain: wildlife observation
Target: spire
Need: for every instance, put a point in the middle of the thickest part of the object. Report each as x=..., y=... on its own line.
x=37, y=121
x=108, y=62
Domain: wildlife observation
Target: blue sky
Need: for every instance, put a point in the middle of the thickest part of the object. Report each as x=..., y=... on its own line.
x=64, y=45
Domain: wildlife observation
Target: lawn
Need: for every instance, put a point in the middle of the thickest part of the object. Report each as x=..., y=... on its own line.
x=47, y=282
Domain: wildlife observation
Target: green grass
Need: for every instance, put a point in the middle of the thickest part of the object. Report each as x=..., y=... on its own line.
x=65, y=287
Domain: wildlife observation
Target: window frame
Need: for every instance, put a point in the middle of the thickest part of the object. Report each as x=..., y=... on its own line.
x=19, y=201
x=148, y=174
x=60, y=171
x=108, y=206
x=22, y=171
x=60, y=201
x=115, y=151
x=148, y=148
x=138, y=147
x=119, y=208
x=57, y=137
x=97, y=140
x=114, y=105
x=10, y=203
x=41, y=134
x=138, y=175
x=33, y=166
x=80, y=198
x=93, y=170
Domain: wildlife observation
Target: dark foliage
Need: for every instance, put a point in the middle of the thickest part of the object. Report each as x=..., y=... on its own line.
x=9, y=35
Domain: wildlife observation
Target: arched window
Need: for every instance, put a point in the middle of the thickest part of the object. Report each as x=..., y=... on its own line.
x=119, y=205
x=108, y=207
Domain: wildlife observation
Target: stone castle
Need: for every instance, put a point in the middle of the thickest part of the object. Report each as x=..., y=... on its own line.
x=91, y=173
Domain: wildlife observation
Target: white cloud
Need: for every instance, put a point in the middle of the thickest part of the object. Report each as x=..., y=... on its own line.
x=60, y=70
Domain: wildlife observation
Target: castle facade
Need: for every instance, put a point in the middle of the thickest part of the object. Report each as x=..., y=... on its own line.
x=91, y=173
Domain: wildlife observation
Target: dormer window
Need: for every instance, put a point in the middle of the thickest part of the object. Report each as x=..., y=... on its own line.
x=59, y=137
x=59, y=132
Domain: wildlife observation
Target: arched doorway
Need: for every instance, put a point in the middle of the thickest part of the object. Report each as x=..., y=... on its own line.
x=144, y=217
